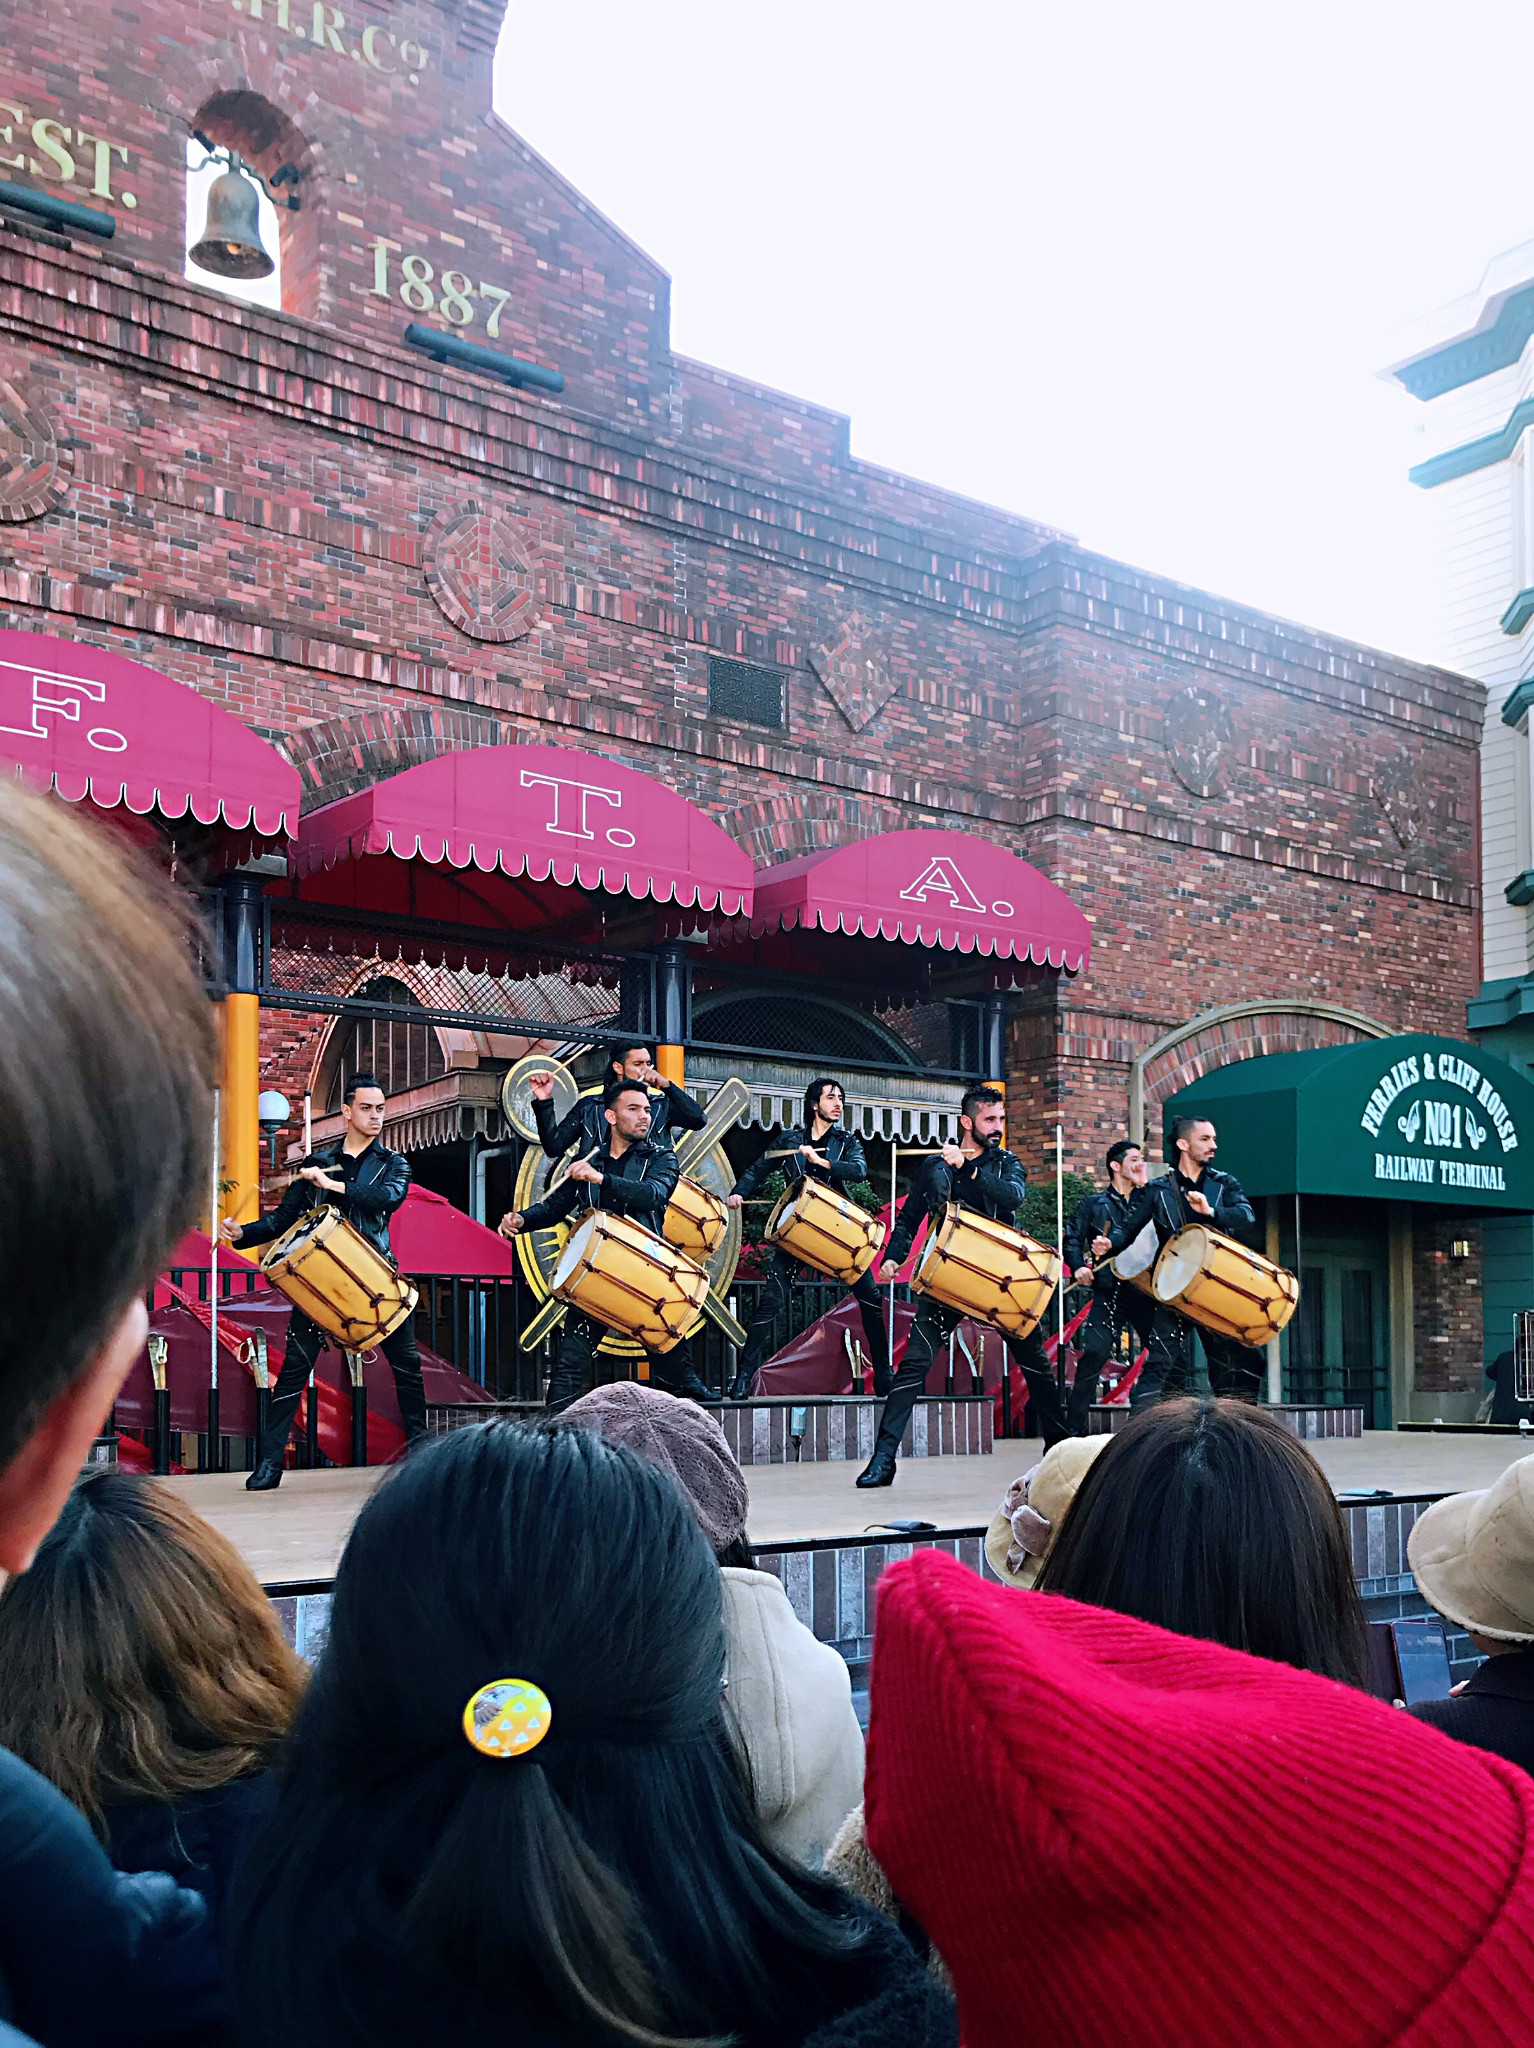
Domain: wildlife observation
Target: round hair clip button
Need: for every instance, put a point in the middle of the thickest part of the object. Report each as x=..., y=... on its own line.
x=507, y=1717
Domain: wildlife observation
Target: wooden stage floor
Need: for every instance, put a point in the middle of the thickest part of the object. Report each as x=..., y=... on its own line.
x=295, y=1535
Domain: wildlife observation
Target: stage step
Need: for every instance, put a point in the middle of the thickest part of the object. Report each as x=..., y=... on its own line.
x=1308, y=1422
x=827, y=1429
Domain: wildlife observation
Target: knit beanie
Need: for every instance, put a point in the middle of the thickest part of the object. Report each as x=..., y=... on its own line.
x=686, y=1443
x=1115, y=1834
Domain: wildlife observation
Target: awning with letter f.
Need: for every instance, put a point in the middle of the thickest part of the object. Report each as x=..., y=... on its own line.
x=93, y=726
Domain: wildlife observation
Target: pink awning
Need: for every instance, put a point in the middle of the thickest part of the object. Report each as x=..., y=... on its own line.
x=928, y=888
x=544, y=812
x=431, y=1236
x=90, y=724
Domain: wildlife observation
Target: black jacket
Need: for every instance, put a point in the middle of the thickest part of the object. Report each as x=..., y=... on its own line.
x=199, y=1839
x=1096, y=1215
x=842, y=1147
x=640, y=1184
x=993, y=1185
x=1161, y=1202
x=381, y=1183
x=1495, y=1711
x=673, y=1109
x=879, y=1997
x=88, y=1956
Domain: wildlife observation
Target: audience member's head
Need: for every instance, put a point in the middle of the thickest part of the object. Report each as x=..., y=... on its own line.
x=1230, y=1859
x=1210, y=1518
x=106, y=1110
x=602, y=1878
x=1473, y=1558
x=142, y=1660
x=1025, y=1528
x=689, y=1447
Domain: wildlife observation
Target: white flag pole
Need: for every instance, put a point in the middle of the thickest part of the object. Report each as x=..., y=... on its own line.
x=1060, y=1243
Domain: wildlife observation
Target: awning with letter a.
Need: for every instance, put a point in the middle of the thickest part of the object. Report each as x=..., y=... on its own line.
x=1408, y=1119
x=546, y=815
x=928, y=887
x=94, y=726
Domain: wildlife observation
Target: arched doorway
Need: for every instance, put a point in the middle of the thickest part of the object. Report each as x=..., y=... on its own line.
x=402, y=1054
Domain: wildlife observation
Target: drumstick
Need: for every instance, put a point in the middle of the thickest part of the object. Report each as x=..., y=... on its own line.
x=563, y=1173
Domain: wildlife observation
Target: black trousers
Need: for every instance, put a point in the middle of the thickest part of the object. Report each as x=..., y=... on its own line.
x=782, y=1271
x=930, y=1330
x=574, y=1371
x=1116, y=1306
x=1236, y=1371
x=306, y=1340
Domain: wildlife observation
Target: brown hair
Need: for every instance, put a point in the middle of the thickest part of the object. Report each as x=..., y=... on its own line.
x=1211, y=1519
x=141, y=1658
x=105, y=1093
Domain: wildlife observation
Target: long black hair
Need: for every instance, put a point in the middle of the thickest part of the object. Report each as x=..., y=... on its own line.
x=1211, y=1519
x=812, y=1096
x=611, y=1885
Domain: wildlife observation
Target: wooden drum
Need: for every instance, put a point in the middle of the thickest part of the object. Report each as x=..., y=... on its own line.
x=625, y=1276
x=814, y=1223
x=326, y=1267
x=1222, y=1286
x=696, y=1221
x=1136, y=1262
x=989, y=1270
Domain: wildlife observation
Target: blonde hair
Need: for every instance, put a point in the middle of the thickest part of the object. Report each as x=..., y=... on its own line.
x=141, y=1658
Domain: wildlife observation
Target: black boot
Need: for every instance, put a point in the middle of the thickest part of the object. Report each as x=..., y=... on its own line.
x=267, y=1475
x=741, y=1385
x=880, y=1469
x=686, y=1386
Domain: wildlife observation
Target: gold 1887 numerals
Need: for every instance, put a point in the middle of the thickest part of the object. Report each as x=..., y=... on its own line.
x=452, y=294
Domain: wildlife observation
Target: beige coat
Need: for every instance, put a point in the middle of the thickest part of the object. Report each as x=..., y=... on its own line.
x=790, y=1704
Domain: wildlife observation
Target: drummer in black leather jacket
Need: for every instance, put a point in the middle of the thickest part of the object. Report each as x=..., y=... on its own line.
x=1115, y=1304
x=366, y=1182
x=823, y=1149
x=1195, y=1191
x=630, y=1174
x=980, y=1174
x=628, y=1059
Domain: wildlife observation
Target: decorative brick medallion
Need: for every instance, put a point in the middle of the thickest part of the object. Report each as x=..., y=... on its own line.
x=35, y=472
x=1198, y=739
x=855, y=671
x=480, y=575
x=1399, y=796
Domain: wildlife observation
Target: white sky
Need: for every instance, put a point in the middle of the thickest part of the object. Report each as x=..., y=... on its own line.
x=1128, y=269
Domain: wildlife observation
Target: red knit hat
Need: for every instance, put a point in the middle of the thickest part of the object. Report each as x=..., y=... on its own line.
x=1269, y=1857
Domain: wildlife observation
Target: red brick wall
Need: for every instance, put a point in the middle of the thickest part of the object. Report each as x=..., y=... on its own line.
x=1447, y=1311
x=265, y=507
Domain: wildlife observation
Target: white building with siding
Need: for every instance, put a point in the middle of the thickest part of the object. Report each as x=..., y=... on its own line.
x=1470, y=366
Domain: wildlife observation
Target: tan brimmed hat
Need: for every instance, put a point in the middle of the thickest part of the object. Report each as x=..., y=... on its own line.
x=1035, y=1504
x=1473, y=1556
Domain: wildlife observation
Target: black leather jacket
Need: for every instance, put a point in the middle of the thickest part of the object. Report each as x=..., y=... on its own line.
x=380, y=1183
x=1097, y=1214
x=1161, y=1202
x=842, y=1147
x=673, y=1109
x=993, y=1185
x=640, y=1184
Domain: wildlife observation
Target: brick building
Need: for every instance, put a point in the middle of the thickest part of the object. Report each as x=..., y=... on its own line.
x=373, y=557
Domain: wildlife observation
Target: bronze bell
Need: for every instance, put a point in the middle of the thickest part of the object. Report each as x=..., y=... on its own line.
x=231, y=243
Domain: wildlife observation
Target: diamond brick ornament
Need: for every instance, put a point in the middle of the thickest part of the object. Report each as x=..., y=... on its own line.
x=854, y=668
x=480, y=575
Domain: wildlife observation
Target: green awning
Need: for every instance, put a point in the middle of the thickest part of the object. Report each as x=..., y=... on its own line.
x=1408, y=1119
